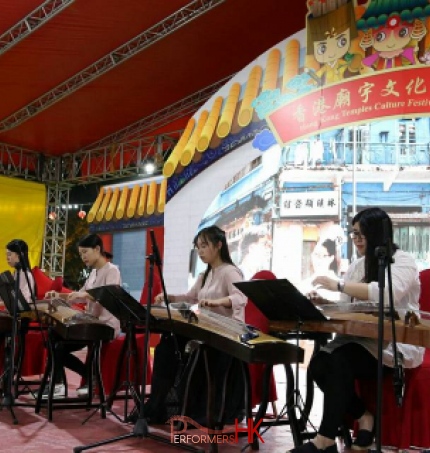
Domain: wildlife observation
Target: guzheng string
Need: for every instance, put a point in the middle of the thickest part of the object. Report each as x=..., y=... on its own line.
x=219, y=322
x=223, y=323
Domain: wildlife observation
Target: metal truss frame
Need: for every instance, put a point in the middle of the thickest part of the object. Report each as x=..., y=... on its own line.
x=111, y=60
x=54, y=244
x=20, y=162
x=93, y=165
x=116, y=161
x=183, y=107
x=31, y=22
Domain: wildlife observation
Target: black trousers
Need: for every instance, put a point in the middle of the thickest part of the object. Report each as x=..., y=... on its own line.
x=169, y=371
x=335, y=375
x=65, y=359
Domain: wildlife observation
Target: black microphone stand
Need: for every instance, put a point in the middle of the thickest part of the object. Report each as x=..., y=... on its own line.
x=385, y=258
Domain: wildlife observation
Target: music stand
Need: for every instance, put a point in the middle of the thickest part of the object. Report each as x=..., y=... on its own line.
x=130, y=313
x=8, y=295
x=120, y=303
x=280, y=300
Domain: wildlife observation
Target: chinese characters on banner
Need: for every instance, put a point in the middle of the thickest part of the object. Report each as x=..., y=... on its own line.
x=311, y=204
x=399, y=92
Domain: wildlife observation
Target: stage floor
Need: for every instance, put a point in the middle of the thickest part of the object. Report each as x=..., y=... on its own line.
x=34, y=434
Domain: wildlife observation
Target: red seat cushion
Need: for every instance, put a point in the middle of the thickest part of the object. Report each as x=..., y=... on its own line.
x=43, y=282
x=254, y=317
x=35, y=356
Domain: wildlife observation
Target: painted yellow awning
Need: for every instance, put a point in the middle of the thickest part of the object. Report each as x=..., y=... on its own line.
x=128, y=202
x=233, y=112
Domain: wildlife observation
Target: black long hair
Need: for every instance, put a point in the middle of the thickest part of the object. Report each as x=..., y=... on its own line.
x=20, y=247
x=375, y=224
x=92, y=241
x=214, y=235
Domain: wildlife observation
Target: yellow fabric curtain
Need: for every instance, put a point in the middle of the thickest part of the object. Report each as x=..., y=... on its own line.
x=22, y=216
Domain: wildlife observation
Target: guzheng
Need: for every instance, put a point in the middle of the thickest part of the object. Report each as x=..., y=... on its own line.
x=225, y=334
x=73, y=324
x=361, y=319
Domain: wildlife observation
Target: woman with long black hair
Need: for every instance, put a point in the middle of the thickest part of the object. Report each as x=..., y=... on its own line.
x=214, y=289
x=336, y=366
x=17, y=257
x=103, y=272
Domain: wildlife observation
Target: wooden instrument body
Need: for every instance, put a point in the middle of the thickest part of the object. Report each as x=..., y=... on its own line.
x=74, y=325
x=262, y=349
x=362, y=325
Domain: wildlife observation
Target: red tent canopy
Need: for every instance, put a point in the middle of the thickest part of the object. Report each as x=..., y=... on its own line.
x=175, y=49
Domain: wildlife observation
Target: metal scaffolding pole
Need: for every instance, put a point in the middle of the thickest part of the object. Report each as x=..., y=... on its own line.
x=54, y=244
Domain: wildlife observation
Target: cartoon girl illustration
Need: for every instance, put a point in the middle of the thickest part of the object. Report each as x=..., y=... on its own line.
x=392, y=33
x=329, y=35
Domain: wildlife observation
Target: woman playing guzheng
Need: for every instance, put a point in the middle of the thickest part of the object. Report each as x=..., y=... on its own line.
x=17, y=257
x=103, y=272
x=336, y=366
x=215, y=290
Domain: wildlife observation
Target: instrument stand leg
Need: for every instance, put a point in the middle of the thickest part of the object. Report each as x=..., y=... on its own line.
x=296, y=407
x=104, y=405
x=7, y=379
x=129, y=353
x=19, y=380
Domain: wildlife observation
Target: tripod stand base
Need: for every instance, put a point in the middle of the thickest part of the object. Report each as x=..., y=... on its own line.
x=140, y=431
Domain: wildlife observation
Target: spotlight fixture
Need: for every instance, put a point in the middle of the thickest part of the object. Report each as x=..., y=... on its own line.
x=149, y=167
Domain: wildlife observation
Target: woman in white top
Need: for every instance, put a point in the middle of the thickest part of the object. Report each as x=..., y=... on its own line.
x=103, y=273
x=17, y=257
x=346, y=358
x=214, y=289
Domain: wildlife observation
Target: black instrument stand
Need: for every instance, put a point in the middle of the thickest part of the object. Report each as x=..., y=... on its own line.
x=9, y=372
x=130, y=386
x=385, y=258
x=141, y=429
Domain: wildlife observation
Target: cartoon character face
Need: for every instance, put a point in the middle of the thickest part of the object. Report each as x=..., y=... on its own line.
x=329, y=50
x=395, y=35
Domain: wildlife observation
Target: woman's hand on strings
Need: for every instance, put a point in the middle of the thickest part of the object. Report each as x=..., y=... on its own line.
x=325, y=283
x=159, y=298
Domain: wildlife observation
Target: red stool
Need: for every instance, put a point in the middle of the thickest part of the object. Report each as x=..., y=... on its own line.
x=254, y=317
